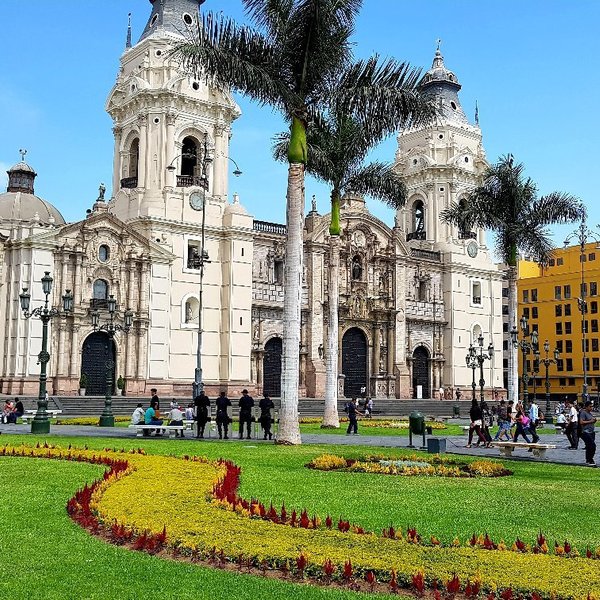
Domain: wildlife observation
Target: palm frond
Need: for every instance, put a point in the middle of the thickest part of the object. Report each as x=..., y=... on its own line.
x=380, y=181
x=270, y=15
x=556, y=207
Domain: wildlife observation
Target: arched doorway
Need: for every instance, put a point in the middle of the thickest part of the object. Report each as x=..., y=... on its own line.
x=354, y=362
x=272, y=367
x=420, y=375
x=98, y=350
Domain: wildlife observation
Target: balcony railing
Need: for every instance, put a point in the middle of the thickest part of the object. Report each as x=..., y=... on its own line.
x=476, y=299
x=467, y=235
x=426, y=254
x=416, y=235
x=129, y=182
x=266, y=227
x=96, y=303
x=192, y=180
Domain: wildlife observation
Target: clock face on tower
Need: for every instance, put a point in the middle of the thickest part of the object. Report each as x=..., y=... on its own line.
x=197, y=200
x=472, y=249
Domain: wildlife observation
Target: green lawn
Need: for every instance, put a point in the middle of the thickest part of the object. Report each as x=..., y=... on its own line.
x=46, y=556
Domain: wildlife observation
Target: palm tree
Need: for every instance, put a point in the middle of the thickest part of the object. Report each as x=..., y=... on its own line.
x=507, y=204
x=338, y=147
x=289, y=62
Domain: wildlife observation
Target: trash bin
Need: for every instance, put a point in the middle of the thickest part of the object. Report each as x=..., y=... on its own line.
x=416, y=422
x=436, y=445
x=456, y=410
x=429, y=429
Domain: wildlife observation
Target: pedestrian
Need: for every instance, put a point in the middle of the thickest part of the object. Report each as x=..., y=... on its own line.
x=588, y=433
x=176, y=418
x=369, y=408
x=223, y=419
x=486, y=421
x=189, y=412
x=476, y=423
x=534, y=419
x=246, y=405
x=266, y=406
x=458, y=394
x=572, y=419
x=202, y=405
x=351, y=409
x=504, y=423
x=138, y=415
x=522, y=421
x=154, y=397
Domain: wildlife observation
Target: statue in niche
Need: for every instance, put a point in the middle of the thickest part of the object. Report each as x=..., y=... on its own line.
x=188, y=313
x=356, y=268
x=382, y=364
x=321, y=351
x=256, y=332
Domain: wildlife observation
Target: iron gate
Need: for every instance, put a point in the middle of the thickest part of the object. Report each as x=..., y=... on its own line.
x=421, y=371
x=98, y=350
x=272, y=367
x=354, y=362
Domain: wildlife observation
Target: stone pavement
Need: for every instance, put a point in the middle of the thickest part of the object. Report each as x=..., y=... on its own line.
x=454, y=444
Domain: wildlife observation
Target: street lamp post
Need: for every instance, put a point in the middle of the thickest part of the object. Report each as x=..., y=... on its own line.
x=107, y=418
x=536, y=370
x=476, y=358
x=526, y=348
x=547, y=362
x=583, y=235
x=41, y=423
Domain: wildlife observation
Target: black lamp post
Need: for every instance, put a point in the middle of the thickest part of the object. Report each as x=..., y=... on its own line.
x=583, y=235
x=476, y=358
x=107, y=418
x=536, y=370
x=526, y=348
x=41, y=423
x=471, y=360
x=547, y=362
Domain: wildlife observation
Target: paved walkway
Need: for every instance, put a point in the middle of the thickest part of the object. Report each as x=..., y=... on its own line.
x=454, y=444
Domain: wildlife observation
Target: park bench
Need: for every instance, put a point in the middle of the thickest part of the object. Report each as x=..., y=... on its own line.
x=170, y=429
x=30, y=414
x=506, y=448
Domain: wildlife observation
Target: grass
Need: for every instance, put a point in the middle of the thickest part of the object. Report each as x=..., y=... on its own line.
x=46, y=556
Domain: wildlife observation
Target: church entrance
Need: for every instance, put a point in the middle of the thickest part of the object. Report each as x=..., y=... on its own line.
x=272, y=367
x=354, y=362
x=421, y=373
x=98, y=351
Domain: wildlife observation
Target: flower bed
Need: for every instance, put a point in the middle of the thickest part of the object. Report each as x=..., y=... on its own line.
x=133, y=504
x=436, y=466
x=376, y=423
x=89, y=420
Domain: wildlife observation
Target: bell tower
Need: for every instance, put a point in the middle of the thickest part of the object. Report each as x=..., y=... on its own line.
x=164, y=121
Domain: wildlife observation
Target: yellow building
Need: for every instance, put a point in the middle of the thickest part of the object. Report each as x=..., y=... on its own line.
x=550, y=298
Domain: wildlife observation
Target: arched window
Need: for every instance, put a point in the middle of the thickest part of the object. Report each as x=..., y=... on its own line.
x=189, y=160
x=475, y=333
x=134, y=157
x=191, y=311
x=103, y=253
x=419, y=216
x=100, y=291
x=357, y=268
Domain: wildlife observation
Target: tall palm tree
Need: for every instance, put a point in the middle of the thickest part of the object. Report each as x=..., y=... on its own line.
x=289, y=61
x=507, y=204
x=338, y=147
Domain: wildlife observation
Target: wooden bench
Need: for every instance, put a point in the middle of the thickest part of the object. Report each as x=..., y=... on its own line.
x=170, y=429
x=538, y=450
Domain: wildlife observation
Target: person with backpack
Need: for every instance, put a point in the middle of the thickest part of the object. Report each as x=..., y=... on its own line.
x=351, y=409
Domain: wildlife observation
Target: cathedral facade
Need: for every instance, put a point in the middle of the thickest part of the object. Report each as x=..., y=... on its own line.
x=172, y=248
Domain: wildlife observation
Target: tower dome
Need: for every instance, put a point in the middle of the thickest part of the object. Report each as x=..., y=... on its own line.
x=172, y=17
x=443, y=84
x=19, y=202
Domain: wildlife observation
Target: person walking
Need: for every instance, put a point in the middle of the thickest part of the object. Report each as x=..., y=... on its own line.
x=246, y=405
x=266, y=406
x=351, y=409
x=222, y=415
x=154, y=398
x=572, y=424
x=522, y=421
x=588, y=433
x=504, y=423
x=534, y=418
x=201, y=404
x=476, y=423
x=486, y=421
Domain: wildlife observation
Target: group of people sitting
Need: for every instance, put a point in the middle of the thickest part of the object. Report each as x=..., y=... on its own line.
x=200, y=410
x=12, y=410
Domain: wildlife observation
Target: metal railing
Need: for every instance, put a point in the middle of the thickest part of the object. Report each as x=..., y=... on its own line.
x=467, y=235
x=129, y=182
x=415, y=235
x=192, y=180
x=426, y=254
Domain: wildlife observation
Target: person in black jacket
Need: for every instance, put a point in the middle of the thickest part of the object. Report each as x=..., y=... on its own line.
x=222, y=417
x=246, y=404
x=476, y=415
x=266, y=405
x=202, y=404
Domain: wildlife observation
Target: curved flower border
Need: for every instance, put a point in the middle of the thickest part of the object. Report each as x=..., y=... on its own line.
x=104, y=508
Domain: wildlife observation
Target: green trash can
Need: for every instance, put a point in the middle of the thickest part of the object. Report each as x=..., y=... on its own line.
x=416, y=422
x=456, y=410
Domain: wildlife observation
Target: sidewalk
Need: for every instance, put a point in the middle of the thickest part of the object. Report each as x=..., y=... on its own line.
x=454, y=444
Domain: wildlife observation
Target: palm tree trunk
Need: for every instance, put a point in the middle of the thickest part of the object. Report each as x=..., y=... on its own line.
x=513, y=353
x=289, y=429
x=330, y=415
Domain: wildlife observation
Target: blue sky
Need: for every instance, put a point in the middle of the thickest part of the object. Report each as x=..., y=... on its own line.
x=531, y=66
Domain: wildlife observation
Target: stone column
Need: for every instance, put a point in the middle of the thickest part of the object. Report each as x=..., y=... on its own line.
x=117, y=161
x=171, y=149
x=376, y=349
x=143, y=289
x=390, y=350
x=62, y=348
x=74, y=363
x=144, y=150
x=77, y=291
x=140, y=335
